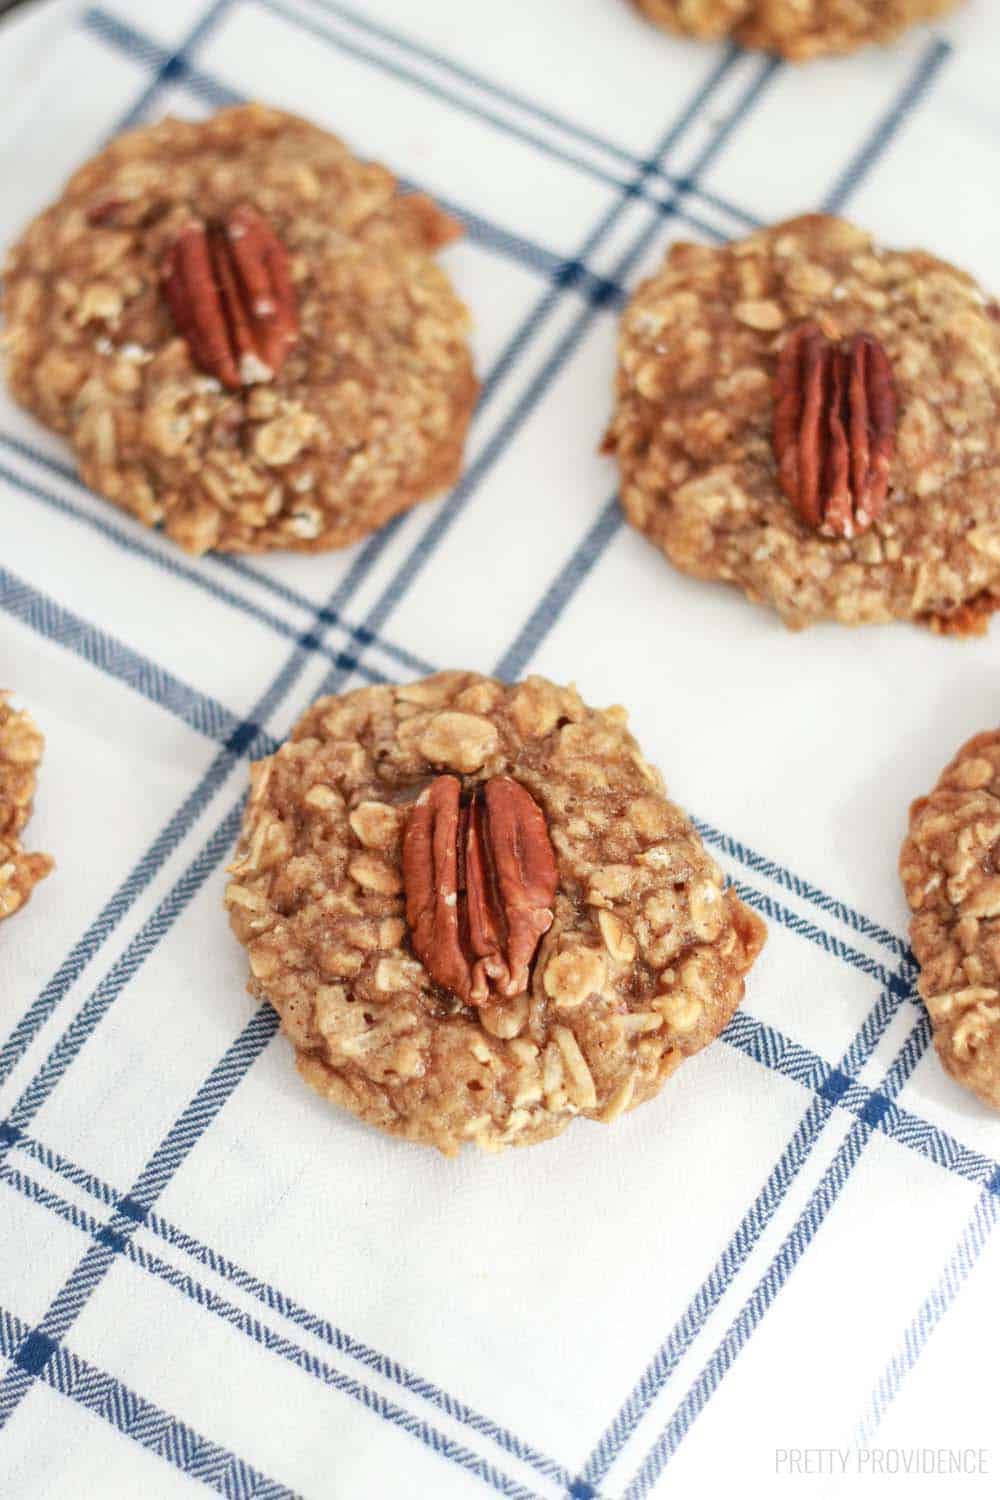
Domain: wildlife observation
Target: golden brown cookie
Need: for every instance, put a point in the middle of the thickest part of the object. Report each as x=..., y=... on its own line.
x=21, y=746
x=477, y=913
x=243, y=333
x=950, y=867
x=816, y=420
x=798, y=29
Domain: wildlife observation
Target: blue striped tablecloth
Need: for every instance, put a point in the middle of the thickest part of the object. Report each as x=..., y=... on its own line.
x=207, y=1277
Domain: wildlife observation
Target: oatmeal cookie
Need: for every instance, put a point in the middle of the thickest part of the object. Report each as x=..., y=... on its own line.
x=798, y=29
x=243, y=333
x=950, y=867
x=21, y=746
x=477, y=913
x=817, y=420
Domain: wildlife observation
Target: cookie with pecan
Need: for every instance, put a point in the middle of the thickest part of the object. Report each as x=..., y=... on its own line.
x=950, y=867
x=798, y=29
x=477, y=913
x=816, y=420
x=21, y=746
x=244, y=334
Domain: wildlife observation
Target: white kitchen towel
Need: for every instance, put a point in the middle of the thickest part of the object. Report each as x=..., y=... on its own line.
x=779, y=1277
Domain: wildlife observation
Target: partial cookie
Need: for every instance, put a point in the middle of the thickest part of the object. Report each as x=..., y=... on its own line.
x=21, y=746
x=477, y=914
x=799, y=29
x=708, y=19
x=243, y=333
x=950, y=867
x=816, y=420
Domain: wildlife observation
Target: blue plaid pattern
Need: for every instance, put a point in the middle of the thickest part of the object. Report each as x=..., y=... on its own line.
x=345, y=634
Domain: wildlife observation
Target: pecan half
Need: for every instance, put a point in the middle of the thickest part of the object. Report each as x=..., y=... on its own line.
x=480, y=879
x=230, y=290
x=834, y=429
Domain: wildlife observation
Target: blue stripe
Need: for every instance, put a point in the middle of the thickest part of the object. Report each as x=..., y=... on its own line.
x=525, y=334
x=427, y=544
x=488, y=86
x=974, y=1239
x=612, y=1440
x=601, y=291
x=111, y=914
x=794, y=1246
x=210, y=718
x=267, y=1338
x=174, y=68
x=401, y=654
x=811, y=1072
x=82, y=1027
x=169, y=66
x=540, y=112
x=769, y=1047
x=515, y=348
x=518, y=248
x=644, y=169
x=130, y=1414
x=324, y=33
x=526, y=643
x=835, y=1088
x=793, y=1061
x=111, y=657
x=755, y=1040
x=481, y=231
x=246, y=738
x=761, y=865
x=889, y=126
x=806, y=1068
x=167, y=562
x=524, y=646
x=776, y=912
x=559, y=593
x=133, y=1209
x=95, y=1263
x=137, y=46
x=527, y=254
x=278, y=1301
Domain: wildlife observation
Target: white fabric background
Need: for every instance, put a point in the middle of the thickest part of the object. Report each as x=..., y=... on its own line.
x=792, y=1247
